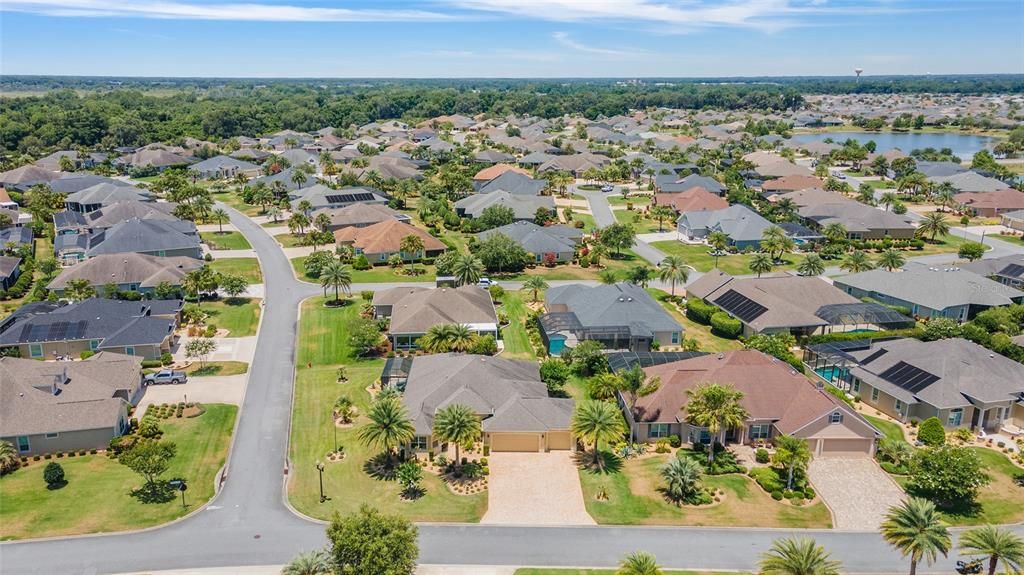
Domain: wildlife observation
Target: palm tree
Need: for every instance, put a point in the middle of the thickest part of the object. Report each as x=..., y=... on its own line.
x=999, y=545
x=915, y=530
x=760, y=263
x=8, y=457
x=944, y=195
x=262, y=196
x=299, y=177
x=412, y=245
x=888, y=199
x=536, y=284
x=311, y=563
x=891, y=259
x=460, y=337
x=596, y=422
x=834, y=232
x=437, y=339
x=220, y=215
x=866, y=195
x=933, y=224
x=792, y=453
x=338, y=276
x=468, y=269
x=718, y=242
x=607, y=277
x=389, y=426
x=639, y=563
x=856, y=262
x=661, y=212
x=812, y=265
x=457, y=424
x=682, y=477
x=802, y=556
x=717, y=408
x=673, y=269
x=597, y=251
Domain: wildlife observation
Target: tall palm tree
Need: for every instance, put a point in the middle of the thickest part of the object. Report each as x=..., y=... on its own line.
x=999, y=545
x=597, y=251
x=457, y=424
x=717, y=408
x=639, y=563
x=944, y=195
x=460, y=337
x=933, y=224
x=660, y=212
x=673, y=269
x=468, y=269
x=336, y=275
x=8, y=457
x=856, y=262
x=596, y=422
x=915, y=530
x=412, y=246
x=718, y=242
x=220, y=214
x=812, y=265
x=311, y=563
x=389, y=426
x=299, y=177
x=760, y=263
x=888, y=199
x=792, y=453
x=891, y=259
x=802, y=556
x=834, y=232
x=535, y=284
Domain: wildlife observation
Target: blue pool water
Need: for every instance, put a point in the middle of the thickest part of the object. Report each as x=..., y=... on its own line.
x=831, y=373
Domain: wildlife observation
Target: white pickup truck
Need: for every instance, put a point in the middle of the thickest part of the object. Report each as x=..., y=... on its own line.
x=166, y=376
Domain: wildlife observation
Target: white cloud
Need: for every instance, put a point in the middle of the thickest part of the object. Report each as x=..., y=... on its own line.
x=240, y=11
x=566, y=40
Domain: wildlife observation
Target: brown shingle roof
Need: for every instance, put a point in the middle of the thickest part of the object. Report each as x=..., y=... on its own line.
x=692, y=200
x=792, y=183
x=491, y=172
x=385, y=237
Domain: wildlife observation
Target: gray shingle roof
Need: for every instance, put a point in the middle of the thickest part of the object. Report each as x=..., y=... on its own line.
x=515, y=184
x=523, y=207
x=621, y=304
x=418, y=312
x=737, y=221
x=90, y=319
x=137, y=235
x=538, y=239
x=933, y=287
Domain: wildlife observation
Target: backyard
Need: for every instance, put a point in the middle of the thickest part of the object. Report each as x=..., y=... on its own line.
x=323, y=344
x=240, y=315
x=692, y=330
x=97, y=495
x=698, y=256
x=517, y=341
x=248, y=268
x=225, y=240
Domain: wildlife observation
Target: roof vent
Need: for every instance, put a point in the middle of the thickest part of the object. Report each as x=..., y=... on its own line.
x=629, y=299
x=721, y=356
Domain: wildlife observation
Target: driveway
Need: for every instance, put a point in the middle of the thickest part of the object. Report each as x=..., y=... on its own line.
x=211, y=389
x=228, y=349
x=856, y=489
x=535, y=489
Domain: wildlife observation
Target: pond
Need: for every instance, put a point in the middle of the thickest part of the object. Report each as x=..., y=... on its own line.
x=963, y=145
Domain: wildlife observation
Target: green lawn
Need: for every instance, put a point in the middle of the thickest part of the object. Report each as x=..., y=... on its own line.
x=249, y=268
x=1001, y=501
x=697, y=256
x=643, y=225
x=890, y=429
x=97, y=496
x=588, y=220
x=290, y=240
x=943, y=245
x=633, y=499
x=554, y=571
x=240, y=316
x=635, y=199
x=376, y=274
x=1019, y=240
x=225, y=240
x=235, y=201
x=702, y=333
x=517, y=342
x=322, y=343
x=217, y=368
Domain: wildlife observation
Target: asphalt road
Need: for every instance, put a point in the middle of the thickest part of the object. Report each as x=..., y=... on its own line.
x=249, y=523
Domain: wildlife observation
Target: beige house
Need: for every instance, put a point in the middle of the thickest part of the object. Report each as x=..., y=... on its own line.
x=513, y=405
x=413, y=311
x=378, y=242
x=48, y=407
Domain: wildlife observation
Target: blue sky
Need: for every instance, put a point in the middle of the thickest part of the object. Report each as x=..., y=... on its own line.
x=509, y=38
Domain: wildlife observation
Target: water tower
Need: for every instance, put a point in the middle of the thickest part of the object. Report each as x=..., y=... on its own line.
x=858, y=72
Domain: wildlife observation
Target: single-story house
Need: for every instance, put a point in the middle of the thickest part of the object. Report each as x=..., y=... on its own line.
x=575, y=164
x=321, y=197
x=523, y=207
x=1013, y=220
x=380, y=241
x=781, y=169
x=129, y=271
x=743, y=226
x=790, y=184
x=95, y=197
x=558, y=240
x=24, y=177
x=618, y=316
x=818, y=208
x=507, y=395
x=48, y=407
x=162, y=238
x=419, y=310
x=799, y=305
x=16, y=236
x=970, y=181
x=73, y=222
x=223, y=167
x=360, y=216
x=931, y=291
x=956, y=380
x=384, y=300
x=778, y=399
x=492, y=157
x=10, y=270
x=156, y=157
x=143, y=328
x=673, y=184
x=515, y=183
x=692, y=200
x=490, y=172
x=1007, y=270
x=991, y=204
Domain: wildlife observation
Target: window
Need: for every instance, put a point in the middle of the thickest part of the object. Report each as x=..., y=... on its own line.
x=383, y=257
x=855, y=385
x=874, y=394
x=129, y=350
x=93, y=344
x=162, y=253
x=761, y=431
x=657, y=430
x=420, y=442
x=35, y=350
x=956, y=416
x=52, y=435
x=899, y=406
x=675, y=337
x=836, y=417
x=23, y=444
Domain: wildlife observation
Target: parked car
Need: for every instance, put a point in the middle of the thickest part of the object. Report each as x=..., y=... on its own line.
x=607, y=188
x=485, y=283
x=166, y=376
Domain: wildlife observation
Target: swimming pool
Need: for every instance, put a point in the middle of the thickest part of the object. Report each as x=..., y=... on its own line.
x=831, y=373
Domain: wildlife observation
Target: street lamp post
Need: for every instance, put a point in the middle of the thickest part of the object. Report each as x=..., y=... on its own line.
x=320, y=468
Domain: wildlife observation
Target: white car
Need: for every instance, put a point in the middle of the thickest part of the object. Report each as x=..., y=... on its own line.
x=485, y=283
x=607, y=188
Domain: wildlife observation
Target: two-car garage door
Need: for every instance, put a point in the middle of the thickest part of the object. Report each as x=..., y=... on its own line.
x=531, y=442
x=845, y=447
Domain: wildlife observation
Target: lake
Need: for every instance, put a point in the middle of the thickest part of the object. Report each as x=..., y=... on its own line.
x=963, y=145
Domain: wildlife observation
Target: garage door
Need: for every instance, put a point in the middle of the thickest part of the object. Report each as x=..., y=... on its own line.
x=559, y=440
x=846, y=447
x=515, y=442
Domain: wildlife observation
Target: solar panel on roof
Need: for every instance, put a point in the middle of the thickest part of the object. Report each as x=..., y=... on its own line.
x=1012, y=271
x=874, y=356
x=57, y=331
x=740, y=306
x=908, y=377
x=348, y=198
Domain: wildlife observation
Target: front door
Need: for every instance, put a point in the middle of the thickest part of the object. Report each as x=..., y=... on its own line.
x=974, y=418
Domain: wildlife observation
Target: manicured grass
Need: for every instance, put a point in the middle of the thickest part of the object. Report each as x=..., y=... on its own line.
x=323, y=344
x=376, y=274
x=1019, y=240
x=554, y=571
x=240, y=315
x=1002, y=500
x=636, y=200
x=890, y=429
x=517, y=342
x=97, y=496
x=290, y=240
x=693, y=330
x=587, y=219
x=217, y=368
x=249, y=268
x=943, y=245
x=697, y=256
x=225, y=241
x=634, y=499
x=642, y=225
x=235, y=201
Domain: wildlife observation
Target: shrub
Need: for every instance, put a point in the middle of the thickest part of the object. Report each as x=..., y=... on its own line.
x=366, y=294
x=211, y=331
x=699, y=311
x=485, y=345
x=554, y=372
x=725, y=325
x=361, y=263
x=675, y=441
x=662, y=446
x=931, y=432
x=761, y=455
x=149, y=428
x=777, y=495
x=150, y=363
x=487, y=450
x=948, y=475
x=963, y=434
x=87, y=354
x=808, y=493
x=166, y=359
x=53, y=475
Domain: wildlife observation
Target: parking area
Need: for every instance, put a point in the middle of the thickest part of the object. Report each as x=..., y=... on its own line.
x=535, y=489
x=856, y=490
x=212, y=389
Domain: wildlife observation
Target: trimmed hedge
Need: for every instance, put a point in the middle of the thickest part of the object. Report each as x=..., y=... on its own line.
x=699, y=311
x=915, y=333
x=725, y=325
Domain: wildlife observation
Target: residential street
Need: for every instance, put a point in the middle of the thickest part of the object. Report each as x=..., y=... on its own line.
x=249, y=522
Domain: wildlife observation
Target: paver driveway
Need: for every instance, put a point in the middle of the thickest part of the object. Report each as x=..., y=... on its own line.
x=535, y=489
x=856, y=489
